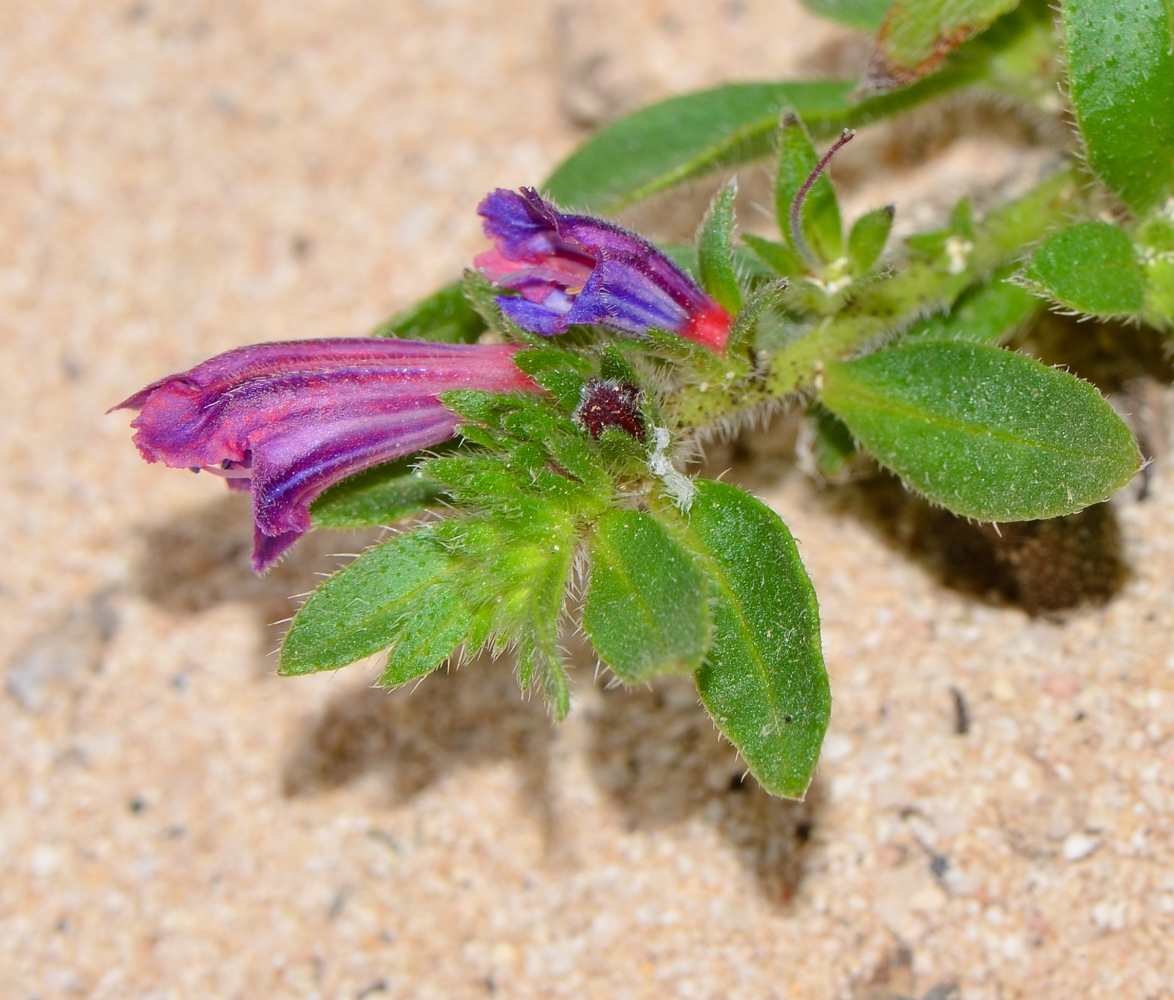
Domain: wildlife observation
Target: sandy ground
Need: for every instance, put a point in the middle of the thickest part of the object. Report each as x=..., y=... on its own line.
x=181, y=177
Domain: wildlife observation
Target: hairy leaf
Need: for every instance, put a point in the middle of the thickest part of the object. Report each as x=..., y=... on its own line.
x=779, y=257
x=867, y=240
x=561, y=373
x=863, y=14
x=821, y=229
x=1092, y=268
x=715, y=257
x=915, y=37
x=1121, y=80
x=361, y=609
x=985, y=314
x=832, y=444
x=446, y=316
x=763, y=680
x=695, y=134
x=380, y=495
x=647, y=608
x=984, y=432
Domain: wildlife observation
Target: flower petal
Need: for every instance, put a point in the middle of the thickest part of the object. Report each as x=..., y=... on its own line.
x=297, y=417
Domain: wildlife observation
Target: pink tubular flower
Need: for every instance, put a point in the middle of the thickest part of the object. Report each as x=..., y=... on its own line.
x=288, y=420
x=571, y=269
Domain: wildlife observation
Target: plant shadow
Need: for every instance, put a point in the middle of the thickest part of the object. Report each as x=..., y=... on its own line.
x=193, y=562
x=655, y=753
x=413, y=737
x=1045, y=567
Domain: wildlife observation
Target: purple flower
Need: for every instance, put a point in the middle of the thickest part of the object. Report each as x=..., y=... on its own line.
x=573, y=269
x=288, y=420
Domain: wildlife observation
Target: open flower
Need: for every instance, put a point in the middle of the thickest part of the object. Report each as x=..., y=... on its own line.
x=573, y=269
x=287, y=420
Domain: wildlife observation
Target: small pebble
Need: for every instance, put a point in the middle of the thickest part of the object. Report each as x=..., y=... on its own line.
x=1078, y=846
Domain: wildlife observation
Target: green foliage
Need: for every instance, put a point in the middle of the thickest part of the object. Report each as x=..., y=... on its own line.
x=647, y=609
x=687, y=137
x=763, y=680
x=1091, y=268
x=985, y=314
x=867, y=240
x=832, y=444
x=380, y=495
x=915, y=36
x=446, y=316
x=1121, y=81
x=363, y=608
x=779, y=257
x=1154, y=239
x=822, y=231
x=986, y=433
x=863, y=14
x=893, y=349
x=715, y=257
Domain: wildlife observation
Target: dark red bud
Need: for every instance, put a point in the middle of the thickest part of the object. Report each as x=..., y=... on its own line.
x=607, y=403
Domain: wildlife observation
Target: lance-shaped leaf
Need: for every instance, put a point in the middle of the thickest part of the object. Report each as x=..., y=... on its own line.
x=985, y=314
x=832, y=444
x=1155, y=243
x=984, y=432
x=445, y=316
x=863, y=14
x=820, y=213
x=715, y=255
x=518, y=565
x=1091, y=268
x=1121, y=80
x=695, y=134
x=381, y=495
x=647, y=605
x=561, y=373
x=867, y=240
x=763, y=680
x=686, y=137
x=363, y=608
x=779, y=257
x=916, y=36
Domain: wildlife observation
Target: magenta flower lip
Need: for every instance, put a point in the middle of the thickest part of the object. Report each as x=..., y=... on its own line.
x=573, y=269
x=288, y=420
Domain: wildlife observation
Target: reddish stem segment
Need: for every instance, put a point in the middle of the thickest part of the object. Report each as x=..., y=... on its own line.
x=797, y=238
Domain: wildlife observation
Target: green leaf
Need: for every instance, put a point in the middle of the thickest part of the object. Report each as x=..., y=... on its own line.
x=984, y=432
x=832, y=446
x=1092, y=268
x=380, y=495
x=647, y=609
x=692, y=135
x=867, y=240
x=779, y=257
x=985, y=314
x=446, y=316
x=686, y=137
x=435, y=624
x=820, y=212
x=715, y=257
x=1121, y=81
x=561, y=373
x=916, y=36
x=516, y=570
x=362, y=608
x=863, y=14
x=763, y=681
x=1155, y=243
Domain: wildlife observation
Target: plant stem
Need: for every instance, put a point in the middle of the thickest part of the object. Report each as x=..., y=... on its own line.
x=888, y=306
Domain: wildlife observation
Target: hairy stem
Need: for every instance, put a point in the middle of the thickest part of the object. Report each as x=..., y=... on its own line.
x=887, y=307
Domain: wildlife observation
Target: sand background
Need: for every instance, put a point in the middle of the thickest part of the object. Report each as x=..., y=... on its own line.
x=179, y=178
